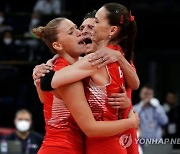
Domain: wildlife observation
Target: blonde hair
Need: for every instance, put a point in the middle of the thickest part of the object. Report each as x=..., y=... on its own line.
x=38, y=32
x=48, y=33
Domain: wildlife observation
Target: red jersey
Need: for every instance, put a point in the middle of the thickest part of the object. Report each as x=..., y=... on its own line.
x=129, y=137
x=62, y=133
x=102, y=111
x=97, y=96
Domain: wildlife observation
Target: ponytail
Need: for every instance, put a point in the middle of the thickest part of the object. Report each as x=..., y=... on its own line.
x=131, y=35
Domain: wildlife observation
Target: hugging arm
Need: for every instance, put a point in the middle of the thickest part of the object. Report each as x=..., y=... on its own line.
x=81, y=112
x=72, y=73
x=106, y=55
x=119, y=100
x=130, y=74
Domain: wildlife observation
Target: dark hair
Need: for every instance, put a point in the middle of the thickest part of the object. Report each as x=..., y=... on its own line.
x=171, y=92
x=23, y=111
x=48, y=33
x=148, y=86
x=116, y=14
x=90, y=15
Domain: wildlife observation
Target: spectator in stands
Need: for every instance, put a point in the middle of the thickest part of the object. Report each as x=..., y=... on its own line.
x=33, y=44
x=3, y=24
x=1, y=18
x=30, y=140
x=35, y=20
x=152, y=114
x=12, y=48
x=7, y=46
x=172, y=109
x=48, y=7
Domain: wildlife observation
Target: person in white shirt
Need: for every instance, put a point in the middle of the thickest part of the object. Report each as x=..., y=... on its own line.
x=152, y=114
x=48, y=7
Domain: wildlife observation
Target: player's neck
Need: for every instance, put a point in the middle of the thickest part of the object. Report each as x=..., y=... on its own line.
x=101, y=44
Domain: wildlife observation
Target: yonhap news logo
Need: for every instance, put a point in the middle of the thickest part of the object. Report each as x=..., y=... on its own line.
x=158, y=141
x=125, y=140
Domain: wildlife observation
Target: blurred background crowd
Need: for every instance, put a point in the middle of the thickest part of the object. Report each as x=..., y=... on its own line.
x=156, y=57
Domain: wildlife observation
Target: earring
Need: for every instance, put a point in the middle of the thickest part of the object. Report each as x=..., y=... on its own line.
x=110, y=36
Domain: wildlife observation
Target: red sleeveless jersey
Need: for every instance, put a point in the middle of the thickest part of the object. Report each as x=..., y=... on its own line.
x=129, y=137
x=97, y=98
x=62, y=133
x=102, y=111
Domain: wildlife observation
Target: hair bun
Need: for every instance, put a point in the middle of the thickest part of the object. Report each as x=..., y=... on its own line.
x=39, y=31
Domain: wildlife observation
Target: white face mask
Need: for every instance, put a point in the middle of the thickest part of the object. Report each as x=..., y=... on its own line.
x=7, y=41
x=23, y=125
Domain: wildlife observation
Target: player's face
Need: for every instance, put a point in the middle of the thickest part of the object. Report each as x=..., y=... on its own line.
x=23, y=122
x=146, y=94
x=171, y=98
x=70, y=39
x=102, y=28
x=86, y=28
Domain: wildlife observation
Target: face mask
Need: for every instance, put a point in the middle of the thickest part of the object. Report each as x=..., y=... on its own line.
x=1, y=20
x=7, y=41
x=22, y=125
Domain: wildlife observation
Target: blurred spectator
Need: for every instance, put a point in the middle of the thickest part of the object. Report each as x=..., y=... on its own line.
x=30, y=141
x=152, y=114
x=48, y=7
x=1, y=18
x=16, y=49
x=171, y=107
x=3, y=24
x=8, y=49
x=35, y=21
x=30, y=41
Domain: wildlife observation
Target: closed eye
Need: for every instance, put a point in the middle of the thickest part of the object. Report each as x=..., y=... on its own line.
x=96, y=21
x=81, y=28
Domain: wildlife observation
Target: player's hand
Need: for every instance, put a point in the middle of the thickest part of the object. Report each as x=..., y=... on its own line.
x=40, y=71
x=119, y=100
x=104, y=56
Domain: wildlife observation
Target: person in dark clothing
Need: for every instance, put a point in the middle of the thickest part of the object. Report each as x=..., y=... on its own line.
x=172, y=107
x=30, y=140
